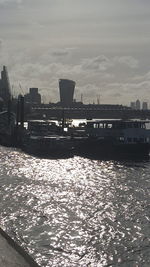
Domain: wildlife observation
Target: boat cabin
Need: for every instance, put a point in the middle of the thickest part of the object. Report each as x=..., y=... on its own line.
x=41, y=127
x=126, y=131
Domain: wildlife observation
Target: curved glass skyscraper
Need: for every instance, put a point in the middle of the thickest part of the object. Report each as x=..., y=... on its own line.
x=66, y=89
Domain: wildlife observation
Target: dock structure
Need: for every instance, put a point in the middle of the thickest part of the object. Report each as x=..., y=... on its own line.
x=12, y=255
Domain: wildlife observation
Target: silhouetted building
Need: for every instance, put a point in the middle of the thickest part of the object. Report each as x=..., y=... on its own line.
x=33, y=97
x=132, y=105
x=5, y=92
x=66, y=89
x=137, y=104
x=144, y=106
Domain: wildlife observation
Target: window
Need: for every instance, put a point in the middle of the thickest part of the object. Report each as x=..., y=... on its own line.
x=121, y=139
x=109, y=125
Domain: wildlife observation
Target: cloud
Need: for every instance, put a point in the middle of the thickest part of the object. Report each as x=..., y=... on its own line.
x=1, y=43
x=63, y=52
x=128, y=61
x=144, y=77
x=99, y=63
x=126, y=92
x=103, y=63
x=4, y=2
x=10, y=3
x=147, y=76
x=60, y=53
x=100, y=75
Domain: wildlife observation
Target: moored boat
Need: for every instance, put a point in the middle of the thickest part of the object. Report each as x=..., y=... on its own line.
x=53, y=146
x=116, y=138
x=45, y=139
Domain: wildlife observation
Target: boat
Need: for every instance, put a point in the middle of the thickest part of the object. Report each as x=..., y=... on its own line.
x=116, y=138
x=45, y=139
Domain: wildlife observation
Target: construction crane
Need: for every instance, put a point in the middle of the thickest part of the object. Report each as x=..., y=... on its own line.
x=22, y=92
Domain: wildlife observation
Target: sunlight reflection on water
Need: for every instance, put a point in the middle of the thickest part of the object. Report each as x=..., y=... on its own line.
x=76, y=211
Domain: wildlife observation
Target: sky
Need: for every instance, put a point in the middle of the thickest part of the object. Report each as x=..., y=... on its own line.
x=103, y=45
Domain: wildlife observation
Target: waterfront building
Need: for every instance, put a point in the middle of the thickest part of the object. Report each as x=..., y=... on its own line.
x=5, y=91
x=66, y=90
x=144, y=106
x=33, y=97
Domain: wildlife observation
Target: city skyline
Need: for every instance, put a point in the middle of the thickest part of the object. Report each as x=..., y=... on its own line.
x=102, y=46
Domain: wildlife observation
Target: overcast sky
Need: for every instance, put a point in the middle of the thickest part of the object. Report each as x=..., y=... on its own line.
x=103, y=45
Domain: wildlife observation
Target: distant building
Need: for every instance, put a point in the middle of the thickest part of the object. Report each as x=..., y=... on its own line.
x=5, y=91
x=144, y=106
x=137, y=104
x=132, y=105
x=33, y=97
x=66, y=90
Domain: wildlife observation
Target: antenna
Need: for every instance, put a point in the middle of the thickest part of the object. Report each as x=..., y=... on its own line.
x=97, y=100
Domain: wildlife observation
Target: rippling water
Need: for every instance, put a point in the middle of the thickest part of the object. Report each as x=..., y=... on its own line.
x=77, y=212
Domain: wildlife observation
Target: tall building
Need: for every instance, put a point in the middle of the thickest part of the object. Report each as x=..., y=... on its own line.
x=137, y=104
x=144, y=106
x=33, y=97
x=66, y=90
x=5, y=92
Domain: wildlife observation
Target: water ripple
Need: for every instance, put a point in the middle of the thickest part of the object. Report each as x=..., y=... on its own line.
x=77, y=212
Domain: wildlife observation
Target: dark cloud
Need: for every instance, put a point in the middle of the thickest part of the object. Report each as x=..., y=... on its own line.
x=60, y=53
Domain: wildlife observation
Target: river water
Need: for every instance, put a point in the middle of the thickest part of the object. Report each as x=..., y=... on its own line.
x=77, y=212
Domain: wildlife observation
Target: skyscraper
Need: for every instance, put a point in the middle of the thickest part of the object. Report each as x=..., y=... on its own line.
x=5, y=92
x=33, y=97
x=137, y=104
x=66, y=89
x=144, y=106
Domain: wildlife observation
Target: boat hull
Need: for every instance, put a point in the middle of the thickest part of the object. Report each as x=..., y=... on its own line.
x=48, y=147
x=109, y=149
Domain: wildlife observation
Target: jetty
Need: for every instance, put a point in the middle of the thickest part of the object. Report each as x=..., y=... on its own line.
x=13, y=255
